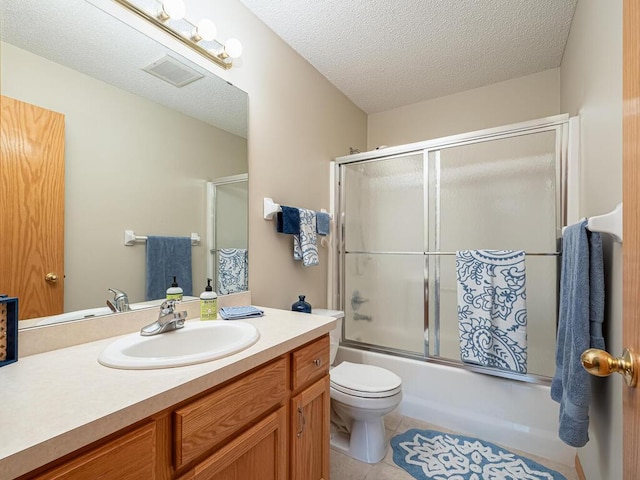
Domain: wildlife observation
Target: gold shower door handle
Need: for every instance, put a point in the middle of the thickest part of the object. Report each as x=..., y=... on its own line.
x=602, y=364
x=51, y=277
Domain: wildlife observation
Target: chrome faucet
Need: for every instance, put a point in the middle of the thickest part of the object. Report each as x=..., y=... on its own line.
x=168, y=320
x=120, y=301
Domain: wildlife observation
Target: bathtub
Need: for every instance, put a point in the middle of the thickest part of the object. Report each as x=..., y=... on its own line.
x=511, y=413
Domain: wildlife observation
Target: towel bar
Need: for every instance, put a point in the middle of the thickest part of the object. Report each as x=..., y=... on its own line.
x=541, y=254
x=270, y=208
x=610, y=223
x=130, y=238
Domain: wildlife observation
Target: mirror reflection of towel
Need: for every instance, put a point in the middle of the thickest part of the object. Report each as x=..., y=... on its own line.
x=167, y=257
x=232, y=271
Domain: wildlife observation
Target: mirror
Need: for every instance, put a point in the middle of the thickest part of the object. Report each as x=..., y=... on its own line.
x=138, y=151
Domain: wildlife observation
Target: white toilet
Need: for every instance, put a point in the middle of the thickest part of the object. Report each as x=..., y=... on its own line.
x=360, y=396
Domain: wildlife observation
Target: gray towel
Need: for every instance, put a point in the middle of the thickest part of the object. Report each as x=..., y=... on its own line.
x=579, y=328
x=323, y=223
x=166, y=257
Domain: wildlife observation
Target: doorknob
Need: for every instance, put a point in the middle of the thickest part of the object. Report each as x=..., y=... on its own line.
x=51, y=277
x=602, y=364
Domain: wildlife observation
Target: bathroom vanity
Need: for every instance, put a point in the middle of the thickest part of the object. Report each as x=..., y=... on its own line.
x=262, y=413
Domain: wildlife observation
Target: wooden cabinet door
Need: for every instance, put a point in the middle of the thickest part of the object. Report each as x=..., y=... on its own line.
x=130, y=457
x=260, y=453
x=310, y=432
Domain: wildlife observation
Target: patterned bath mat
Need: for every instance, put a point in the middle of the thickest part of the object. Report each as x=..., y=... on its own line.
x=433, y=455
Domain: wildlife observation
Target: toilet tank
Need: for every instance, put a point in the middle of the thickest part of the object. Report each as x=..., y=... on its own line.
x=335, y=335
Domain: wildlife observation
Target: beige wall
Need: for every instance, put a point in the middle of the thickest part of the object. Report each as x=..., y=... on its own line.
x=298, y=122
x=591, y=87
x=511, y=101
x=122, y=173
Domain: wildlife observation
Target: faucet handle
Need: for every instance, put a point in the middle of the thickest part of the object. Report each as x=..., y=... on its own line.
x=168, y=305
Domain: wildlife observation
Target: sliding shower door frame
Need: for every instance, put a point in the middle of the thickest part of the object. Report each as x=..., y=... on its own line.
x=211, y=220
x=557, y=123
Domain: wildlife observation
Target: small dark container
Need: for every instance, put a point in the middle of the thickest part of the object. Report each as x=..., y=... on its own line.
x=8, y=330
x=301, y=305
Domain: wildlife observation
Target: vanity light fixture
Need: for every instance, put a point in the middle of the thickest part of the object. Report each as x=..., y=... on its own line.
x=169, y=16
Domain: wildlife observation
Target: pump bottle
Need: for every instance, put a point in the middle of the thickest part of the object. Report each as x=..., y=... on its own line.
x=174, y=292
x=208, y=303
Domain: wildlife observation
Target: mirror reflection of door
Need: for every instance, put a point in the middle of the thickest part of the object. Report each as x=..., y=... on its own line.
x=32, y=207
x=227, y=229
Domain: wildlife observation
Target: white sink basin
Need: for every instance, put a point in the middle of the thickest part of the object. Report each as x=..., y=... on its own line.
x=197, y=342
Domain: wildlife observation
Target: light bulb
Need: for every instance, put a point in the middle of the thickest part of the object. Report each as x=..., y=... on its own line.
x=233, y=47
x=205, y=30
x=173, y=9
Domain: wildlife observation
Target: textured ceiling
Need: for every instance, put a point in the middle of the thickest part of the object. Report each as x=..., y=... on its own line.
x=80, y=36
x=383, y=53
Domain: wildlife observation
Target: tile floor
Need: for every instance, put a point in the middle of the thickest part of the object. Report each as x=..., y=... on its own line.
x=346, y=468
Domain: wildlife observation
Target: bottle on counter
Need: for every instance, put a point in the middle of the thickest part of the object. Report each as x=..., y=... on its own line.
x=174, y=292
x=208, y=303
x=301, y=305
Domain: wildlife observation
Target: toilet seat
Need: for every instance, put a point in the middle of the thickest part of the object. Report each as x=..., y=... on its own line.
x=366, y=381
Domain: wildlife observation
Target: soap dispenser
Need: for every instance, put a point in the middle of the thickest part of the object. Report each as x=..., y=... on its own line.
x=174, y=292
x=208, y=303
x=301, y=305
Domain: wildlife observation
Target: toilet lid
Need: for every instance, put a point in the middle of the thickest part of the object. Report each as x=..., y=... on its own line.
x=364, y=380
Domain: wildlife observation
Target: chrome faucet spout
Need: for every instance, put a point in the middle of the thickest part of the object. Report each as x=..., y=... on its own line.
x=168, y=319
x=120, y=301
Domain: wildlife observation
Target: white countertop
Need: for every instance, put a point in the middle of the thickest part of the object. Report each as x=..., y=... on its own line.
x=56, y=402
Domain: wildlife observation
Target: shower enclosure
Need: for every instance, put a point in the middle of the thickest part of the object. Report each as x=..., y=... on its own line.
x=405, y=212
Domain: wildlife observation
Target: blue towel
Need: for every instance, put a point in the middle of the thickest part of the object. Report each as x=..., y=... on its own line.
x=579, y=328
x=166, y=257
x=492, y=310
x=305, y=247
x=288, y=221
x=232, y=271
x=323, y=222
x=235, y=313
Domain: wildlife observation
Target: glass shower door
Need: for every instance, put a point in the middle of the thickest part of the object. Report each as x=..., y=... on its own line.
x=496, y=194
x=383, y=206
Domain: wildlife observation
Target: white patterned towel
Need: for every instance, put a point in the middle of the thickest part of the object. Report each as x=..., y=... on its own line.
x=232, y=271
x=492, y=311
x=305, y=247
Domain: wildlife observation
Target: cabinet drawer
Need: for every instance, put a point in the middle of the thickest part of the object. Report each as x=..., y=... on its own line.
x=206, y=422
x=310, y=362
x=130, y=457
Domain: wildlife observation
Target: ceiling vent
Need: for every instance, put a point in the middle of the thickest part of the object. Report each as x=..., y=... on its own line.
x=172, y=71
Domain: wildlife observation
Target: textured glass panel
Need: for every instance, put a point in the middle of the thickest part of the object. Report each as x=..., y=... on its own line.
x=384, y=205
x=231, y=215
x=384, y=300
x=498, y=194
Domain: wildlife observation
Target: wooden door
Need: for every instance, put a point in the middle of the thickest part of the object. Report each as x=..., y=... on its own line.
x=310, y=432
x=32, y=207
x=258, y=454
x=631, y=227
